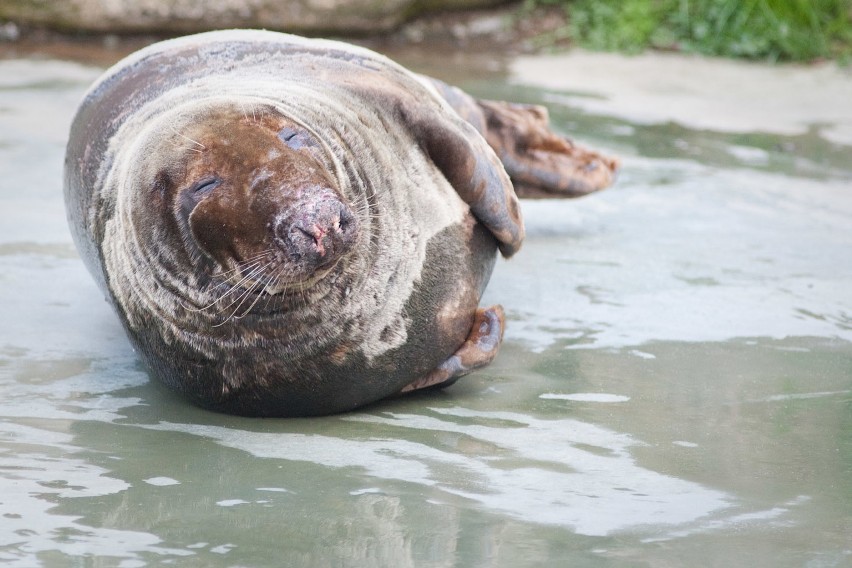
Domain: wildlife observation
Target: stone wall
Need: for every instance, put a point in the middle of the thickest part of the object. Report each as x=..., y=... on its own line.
x=351, y=17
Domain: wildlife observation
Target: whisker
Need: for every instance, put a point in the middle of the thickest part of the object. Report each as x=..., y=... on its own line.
x=241, y=268
x=245, y=265
x=196, y=142
x=251, y=307
x=231, y=289
x=241, y=298
x=274, y=286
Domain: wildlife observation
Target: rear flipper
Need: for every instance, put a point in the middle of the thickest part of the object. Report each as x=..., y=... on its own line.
x=477, y=351
x=539, y=162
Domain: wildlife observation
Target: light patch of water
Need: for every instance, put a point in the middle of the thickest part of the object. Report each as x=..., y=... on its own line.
x=586, y=397
x=737, y=522
x=161, y=481
x=804, y=396
x=232, y=502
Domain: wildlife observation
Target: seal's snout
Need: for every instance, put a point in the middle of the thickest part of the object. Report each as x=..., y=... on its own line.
x=317, y=232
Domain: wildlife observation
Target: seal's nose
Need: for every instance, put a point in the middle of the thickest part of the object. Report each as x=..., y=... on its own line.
x=318, y=232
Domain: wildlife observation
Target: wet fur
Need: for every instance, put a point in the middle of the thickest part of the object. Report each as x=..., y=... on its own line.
x=389, y=312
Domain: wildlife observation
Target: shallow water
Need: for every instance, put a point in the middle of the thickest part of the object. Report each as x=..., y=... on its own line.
x=675, y=388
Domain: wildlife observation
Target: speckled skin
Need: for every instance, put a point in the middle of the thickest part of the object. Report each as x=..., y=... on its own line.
x=430, y=202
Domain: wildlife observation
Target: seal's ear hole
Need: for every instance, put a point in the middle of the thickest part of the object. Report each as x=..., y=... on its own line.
x=296, y=138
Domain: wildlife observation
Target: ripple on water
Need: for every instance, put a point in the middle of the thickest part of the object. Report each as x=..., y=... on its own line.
x=43, y=469
x=580, y=483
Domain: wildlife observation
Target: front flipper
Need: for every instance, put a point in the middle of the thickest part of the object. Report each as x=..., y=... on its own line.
x=462, y=155
x=474, y=171
x=540, y=162
x=478, y=350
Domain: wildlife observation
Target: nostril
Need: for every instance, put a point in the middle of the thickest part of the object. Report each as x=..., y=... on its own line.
x=345, y=220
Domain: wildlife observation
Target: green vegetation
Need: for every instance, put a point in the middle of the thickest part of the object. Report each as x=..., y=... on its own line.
x=796, y=30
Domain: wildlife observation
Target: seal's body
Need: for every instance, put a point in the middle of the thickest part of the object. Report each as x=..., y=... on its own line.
x=287, y=226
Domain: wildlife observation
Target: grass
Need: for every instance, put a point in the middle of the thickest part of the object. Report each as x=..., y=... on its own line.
x=788, y=30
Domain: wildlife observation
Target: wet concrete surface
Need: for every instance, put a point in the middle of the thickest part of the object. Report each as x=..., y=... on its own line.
x=675, y=388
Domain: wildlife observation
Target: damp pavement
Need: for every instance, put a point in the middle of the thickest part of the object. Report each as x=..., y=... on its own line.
x=675, y=387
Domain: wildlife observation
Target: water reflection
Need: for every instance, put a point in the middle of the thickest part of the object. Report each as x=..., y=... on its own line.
x=731, y=254
x=557, y=472
x=40, y=468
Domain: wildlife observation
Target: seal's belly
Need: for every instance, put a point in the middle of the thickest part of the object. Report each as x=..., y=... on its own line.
x=439, y=313
x=437, y=318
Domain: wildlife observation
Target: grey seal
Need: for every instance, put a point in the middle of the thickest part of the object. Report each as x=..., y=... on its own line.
x=293, y=227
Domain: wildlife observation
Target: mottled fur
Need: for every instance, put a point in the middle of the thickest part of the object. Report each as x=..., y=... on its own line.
x=290, y=227
x=395, y=151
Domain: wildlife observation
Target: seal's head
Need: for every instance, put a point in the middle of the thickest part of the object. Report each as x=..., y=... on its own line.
x=248, y=195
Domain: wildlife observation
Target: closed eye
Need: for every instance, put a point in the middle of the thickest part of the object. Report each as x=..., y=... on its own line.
x=204, y=186
x=296, y=139
x=287, y=134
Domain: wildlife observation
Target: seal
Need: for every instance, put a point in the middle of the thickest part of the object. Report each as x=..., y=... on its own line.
x=293, y=227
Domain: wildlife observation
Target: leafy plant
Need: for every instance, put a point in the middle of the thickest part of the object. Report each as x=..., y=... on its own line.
x=770, y=29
